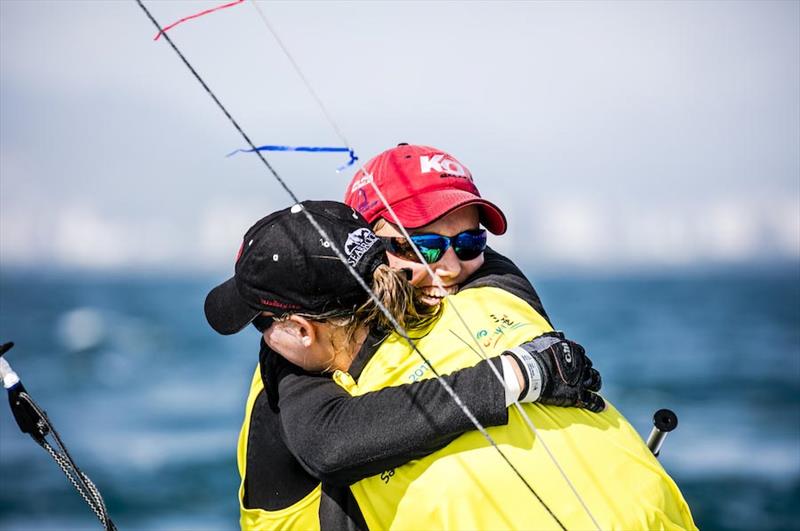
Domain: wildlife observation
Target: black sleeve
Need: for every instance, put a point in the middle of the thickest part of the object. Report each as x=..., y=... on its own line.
x=500, y=272
x=341, y=438
x=273, y=480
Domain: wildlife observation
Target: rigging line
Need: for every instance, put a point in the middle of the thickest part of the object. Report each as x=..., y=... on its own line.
x=311, y=90
x=48, y=429
x=87, y=490
x=353, y=272
x=219, y=104
x=405, y=234
x=544, y=445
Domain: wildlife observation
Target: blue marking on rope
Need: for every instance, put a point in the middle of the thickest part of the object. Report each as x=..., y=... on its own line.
x=307, y=149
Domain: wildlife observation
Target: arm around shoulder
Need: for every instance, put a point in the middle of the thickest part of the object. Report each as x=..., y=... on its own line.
x=341, y=438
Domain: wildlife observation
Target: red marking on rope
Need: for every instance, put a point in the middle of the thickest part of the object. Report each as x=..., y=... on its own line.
x=200, y=14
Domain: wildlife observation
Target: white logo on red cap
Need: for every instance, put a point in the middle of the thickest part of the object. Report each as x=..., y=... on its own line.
x=358, y=243
x=361, y=183
x=441, y=164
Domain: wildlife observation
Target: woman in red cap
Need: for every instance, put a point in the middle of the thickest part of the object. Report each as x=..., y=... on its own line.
x=432, y=195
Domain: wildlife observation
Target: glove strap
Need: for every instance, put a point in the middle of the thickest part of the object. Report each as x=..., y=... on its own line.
x=512, y=386
x=532, y=372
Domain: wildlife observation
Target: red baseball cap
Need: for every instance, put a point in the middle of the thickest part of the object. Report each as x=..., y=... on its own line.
x=422, y=184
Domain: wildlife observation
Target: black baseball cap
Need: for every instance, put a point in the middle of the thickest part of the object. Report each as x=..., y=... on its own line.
x=284, y=266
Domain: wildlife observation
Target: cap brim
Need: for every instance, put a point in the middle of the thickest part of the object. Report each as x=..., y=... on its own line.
x=226, y=312
x=425, y=208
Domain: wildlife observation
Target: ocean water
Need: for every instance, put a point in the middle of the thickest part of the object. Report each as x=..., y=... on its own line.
x=149, y=400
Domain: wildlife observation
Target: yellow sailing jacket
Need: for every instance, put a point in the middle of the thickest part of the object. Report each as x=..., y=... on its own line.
x=467, y=485
x=302, y=515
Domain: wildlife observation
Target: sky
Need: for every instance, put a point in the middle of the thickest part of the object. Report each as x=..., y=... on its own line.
x=616, y=136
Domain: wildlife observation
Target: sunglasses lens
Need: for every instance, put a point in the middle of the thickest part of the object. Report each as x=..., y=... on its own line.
x=468, y=245
x=400, y=247
x=430, y=255
x=432, y=246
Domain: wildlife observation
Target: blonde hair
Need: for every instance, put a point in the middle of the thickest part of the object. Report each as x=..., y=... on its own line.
x=397, y=295
x=379, y=224
x=393, y=289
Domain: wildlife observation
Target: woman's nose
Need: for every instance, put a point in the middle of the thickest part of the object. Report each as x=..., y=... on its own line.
x=448, y=266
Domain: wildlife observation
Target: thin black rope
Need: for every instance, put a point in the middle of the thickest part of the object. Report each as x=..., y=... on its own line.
x=219, y=103
x=283, y=184
x=85, y=487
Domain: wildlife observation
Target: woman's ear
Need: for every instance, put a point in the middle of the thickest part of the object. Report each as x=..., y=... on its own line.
x=298, y=340
x=304, y=329
x=290, y=334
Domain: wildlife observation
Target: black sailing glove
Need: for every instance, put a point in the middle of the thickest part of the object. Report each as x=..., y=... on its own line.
x=558, y=373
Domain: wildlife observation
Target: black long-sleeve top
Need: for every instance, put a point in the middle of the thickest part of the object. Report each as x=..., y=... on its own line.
x=305, y=428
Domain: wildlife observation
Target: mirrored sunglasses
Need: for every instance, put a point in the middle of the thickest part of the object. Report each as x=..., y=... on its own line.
x=467, y=245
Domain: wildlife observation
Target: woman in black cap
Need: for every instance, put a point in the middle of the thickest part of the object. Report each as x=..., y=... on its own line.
x=313, y=308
